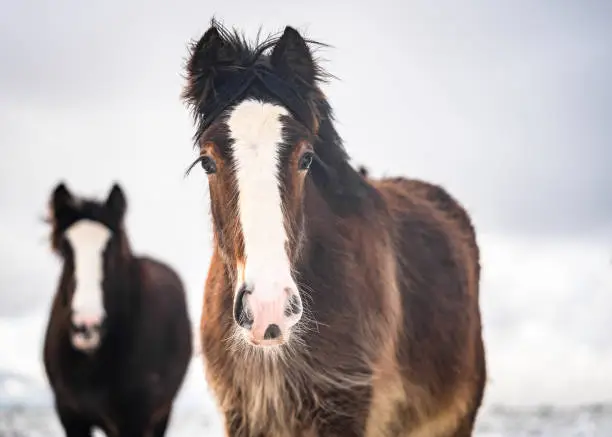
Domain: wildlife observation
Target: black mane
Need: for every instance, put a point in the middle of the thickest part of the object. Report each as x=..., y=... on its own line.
x=85, y=209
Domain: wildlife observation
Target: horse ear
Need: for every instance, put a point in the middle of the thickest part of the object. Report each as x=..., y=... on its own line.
x=116, y=201
x=292, y=58
x=210, y=53
x=61, y=198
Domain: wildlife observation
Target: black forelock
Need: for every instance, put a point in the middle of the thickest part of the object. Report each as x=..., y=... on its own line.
x=247, y=72
x=250, y=75
x=86, y=209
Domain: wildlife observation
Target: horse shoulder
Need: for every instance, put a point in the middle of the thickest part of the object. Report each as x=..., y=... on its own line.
x=159, y=277
x=440, y=336
x=160, y=316
x=433, y=210
x=160, y=329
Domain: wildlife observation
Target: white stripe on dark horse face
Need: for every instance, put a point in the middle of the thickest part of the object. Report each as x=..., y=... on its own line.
x=257, y=132
x=88, y=240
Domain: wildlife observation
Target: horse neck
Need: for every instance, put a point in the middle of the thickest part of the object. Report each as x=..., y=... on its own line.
x=324, y=225
x=321, y=224
x=122, y=293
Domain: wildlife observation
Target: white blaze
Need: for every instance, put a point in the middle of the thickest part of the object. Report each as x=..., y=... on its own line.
x=88, y=240
x=256, y=129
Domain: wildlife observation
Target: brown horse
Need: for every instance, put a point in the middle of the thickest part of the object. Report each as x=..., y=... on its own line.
x=118, y=341
x=335, y=305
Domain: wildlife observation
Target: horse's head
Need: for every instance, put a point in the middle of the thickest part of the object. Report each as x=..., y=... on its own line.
x=88, y=236
x=258, y=111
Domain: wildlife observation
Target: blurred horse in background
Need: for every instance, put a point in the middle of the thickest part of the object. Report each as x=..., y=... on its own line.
x=118, y=340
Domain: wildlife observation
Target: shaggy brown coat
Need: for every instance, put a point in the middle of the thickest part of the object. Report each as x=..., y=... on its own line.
x=390, y=344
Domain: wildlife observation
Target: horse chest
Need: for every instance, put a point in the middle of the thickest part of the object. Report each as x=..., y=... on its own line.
x=264, y=399
x=87, y=382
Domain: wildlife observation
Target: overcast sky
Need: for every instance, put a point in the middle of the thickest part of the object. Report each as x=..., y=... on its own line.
x=507, y=104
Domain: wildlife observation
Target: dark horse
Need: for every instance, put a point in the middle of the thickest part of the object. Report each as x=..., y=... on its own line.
x=335, y=304
x=118, y=342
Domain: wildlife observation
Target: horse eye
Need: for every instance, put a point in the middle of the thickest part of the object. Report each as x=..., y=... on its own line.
x=305, y=161
x=208, y=164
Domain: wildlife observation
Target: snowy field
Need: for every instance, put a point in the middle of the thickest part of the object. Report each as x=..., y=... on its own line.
x=593, y=421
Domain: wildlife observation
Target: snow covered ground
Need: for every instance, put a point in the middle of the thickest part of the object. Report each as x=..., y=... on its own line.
x=25, y=412
x=588, y=421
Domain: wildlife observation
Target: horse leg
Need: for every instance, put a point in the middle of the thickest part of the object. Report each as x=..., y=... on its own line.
x=463, y=431
x=145, y=422
x=135, y=423
x=133, y=430
x=466, y=426
x=159, y=428
x=74, y=425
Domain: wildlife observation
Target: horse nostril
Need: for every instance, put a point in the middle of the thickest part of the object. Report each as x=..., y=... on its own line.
x=79, y=328
x=272, y=332
x=293, y=307
x=242, y=314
